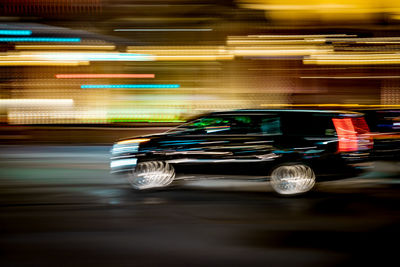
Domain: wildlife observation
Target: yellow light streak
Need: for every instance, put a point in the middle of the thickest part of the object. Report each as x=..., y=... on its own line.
x=65, y=47
x=194, y=58
x=274, y=42
x=282, y=52
x=293, y=36
x=351, y=62
x=42, y=63
x=133, y=141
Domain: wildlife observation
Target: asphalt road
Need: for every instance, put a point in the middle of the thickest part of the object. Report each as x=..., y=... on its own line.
x=61, y=207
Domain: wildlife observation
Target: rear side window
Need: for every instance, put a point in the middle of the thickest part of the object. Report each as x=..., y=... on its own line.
x=270, y=125
x=383, y=120
x=308, y=124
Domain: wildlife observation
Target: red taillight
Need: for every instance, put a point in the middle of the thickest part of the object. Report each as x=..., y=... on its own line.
x=353, y=134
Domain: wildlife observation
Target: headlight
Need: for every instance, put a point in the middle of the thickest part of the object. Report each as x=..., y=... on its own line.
x=133, y=141
x=128, y=146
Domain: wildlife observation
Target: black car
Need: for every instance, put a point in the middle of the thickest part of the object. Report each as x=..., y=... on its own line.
x=385, y=129
x=292, y=148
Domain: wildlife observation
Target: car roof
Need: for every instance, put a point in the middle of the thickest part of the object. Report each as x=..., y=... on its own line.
x=255, y=111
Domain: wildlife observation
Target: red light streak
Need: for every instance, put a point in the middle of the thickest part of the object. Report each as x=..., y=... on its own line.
x=346, y=134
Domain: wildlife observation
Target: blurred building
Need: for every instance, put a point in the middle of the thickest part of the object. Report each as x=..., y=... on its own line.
x=98, y=61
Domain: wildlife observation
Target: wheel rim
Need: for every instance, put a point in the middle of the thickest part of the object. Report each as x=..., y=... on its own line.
x=151, y=174
x=292, y=179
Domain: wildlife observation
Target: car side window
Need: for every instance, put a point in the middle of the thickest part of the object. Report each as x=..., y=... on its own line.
x=215, y=125
x=247, y=124
x=233, y=124
x=271, y=125
x=240, y=124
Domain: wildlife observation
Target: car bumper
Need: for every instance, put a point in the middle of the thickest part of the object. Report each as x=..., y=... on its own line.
x=119, y=165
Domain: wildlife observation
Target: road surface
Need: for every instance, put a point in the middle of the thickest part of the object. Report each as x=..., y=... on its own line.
x=61, y=207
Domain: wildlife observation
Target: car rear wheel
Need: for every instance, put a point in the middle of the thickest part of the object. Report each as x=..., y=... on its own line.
x=292, y=179
x=151, y=174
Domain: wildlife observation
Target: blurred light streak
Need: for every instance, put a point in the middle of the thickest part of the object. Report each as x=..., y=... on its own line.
x=149, y=118
x=320, y=11
x=16, y=32
x=64, y=47
x=143, y=114
x=322, y=68
x=353, y=59
x=123, y=162
x=43, y=63
x=129, y=86
x=274, y=51
x=162, y=30
x=133, y=141
x=169, y=98
x=275, y=42
x=292, y=36
x=183, y=53
x=38, y=39
x=91, y=56
x=37, y=102
x=362, y=40
x=358, y=56
x=329, y=105
x=194, y=58
x=351, y=77
x=95, y=76
x=301, y=7
x=73, y=56
x=351, y=62
x=179, y=50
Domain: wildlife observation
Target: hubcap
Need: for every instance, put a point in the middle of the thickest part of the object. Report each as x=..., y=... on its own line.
x=151, y=174
x=292, y=179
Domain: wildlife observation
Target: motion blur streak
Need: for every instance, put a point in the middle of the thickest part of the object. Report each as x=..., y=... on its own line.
x=190, y=53
x=42, y=63
x=15, y=32
x=291, y=36
x=79, y=76
x=162, y=30
x=93, y=56
x=133, y=141
x=130, y=86
x=330, y=105
x=37, y=102
x=39, y=39
x=95, y=76
x=64, y=47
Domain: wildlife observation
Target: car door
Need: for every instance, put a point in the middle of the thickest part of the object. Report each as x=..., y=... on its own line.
x=231, y=144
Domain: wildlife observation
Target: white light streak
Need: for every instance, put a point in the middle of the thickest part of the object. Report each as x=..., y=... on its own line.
x=37, y=102
x=123, y=162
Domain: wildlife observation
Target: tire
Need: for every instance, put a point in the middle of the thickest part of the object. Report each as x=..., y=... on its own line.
x=151, y=174
x=292, y=179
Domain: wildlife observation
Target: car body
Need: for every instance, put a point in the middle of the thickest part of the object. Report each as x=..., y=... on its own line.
x=385, y=129
x=292, y=148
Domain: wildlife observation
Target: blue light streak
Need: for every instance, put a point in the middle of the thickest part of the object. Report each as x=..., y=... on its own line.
x=15, y=32
x=38, y=39
x=129, y=86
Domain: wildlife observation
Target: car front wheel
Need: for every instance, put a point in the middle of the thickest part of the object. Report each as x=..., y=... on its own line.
x=151, y=174
x=292, y=179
